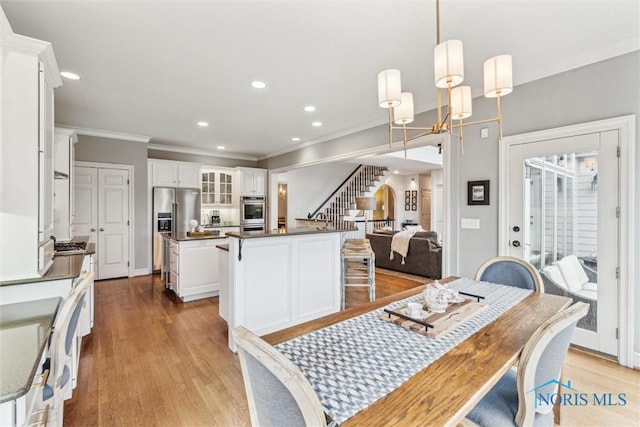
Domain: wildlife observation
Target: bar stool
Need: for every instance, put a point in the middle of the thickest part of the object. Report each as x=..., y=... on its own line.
x=358, y=267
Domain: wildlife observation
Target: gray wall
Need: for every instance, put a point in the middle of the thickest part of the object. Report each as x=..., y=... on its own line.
x=598, y=91
x=204, y=160
x=106, y=150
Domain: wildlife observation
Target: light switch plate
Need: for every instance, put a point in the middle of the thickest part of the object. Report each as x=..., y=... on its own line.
x=484, y=133
x=472, y=223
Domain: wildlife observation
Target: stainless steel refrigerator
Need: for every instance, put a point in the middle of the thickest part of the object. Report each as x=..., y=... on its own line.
x=173, y=209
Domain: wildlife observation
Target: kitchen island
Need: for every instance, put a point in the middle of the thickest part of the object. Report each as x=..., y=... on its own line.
x=190, y=264
x=280, y=278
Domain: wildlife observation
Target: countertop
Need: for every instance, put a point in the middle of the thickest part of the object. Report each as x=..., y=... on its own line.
x=65, y=266
x=280, y=232
x=219, y=225
x=182, y=237
x=24, y=331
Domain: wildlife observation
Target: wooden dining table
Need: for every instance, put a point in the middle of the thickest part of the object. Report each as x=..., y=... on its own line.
x=446, y=390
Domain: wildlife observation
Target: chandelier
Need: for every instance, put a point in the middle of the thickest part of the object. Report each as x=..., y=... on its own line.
x=449, y=73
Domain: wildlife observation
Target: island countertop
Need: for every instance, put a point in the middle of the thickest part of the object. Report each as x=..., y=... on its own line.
x=24, y=331
x=184, y=237
x=281, y=232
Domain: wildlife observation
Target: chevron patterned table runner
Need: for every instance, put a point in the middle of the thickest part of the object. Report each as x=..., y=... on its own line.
x=355, y=362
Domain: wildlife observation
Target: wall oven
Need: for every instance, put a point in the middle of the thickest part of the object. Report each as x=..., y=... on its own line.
x=252, y=212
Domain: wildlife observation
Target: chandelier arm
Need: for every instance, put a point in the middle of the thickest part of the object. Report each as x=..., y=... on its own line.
x=461, y=137
x=419, y=135
x=411, y=128
x=390, y=126
x=477, y=122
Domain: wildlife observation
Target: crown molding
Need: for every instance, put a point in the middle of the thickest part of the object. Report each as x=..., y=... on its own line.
x=200, y=152
x=107, y=134
x=44, y=50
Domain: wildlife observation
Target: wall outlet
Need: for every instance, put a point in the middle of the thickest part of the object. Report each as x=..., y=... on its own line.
x=484, y=133
x=472, y=223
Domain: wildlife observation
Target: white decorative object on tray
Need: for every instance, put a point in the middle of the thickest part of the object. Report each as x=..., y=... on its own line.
x=438, y=297
x=423, y=314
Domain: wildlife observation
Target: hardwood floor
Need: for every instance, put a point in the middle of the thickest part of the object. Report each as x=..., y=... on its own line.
x=152, y=361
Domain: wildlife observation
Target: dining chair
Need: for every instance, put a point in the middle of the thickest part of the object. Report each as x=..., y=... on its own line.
x=64, y=330
x=277, y=392
x=510, y=271
x=514, y=399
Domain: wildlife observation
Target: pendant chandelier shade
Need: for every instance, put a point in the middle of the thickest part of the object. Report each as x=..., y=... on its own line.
x=498, y=79
x=389, y=88
x=448, y=64
x=403, y=113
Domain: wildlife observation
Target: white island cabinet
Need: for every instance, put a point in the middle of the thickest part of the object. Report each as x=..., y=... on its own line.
x=281, y=278
x=192, y=266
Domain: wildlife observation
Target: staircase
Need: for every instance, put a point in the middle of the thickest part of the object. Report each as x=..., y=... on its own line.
x=363, y=181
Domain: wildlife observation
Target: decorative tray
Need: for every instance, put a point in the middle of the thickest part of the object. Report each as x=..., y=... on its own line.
x=435, y=325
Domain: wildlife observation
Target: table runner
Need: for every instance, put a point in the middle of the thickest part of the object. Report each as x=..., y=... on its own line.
x=353, y=363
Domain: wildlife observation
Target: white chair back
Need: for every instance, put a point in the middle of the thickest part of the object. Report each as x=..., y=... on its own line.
x=277, y=392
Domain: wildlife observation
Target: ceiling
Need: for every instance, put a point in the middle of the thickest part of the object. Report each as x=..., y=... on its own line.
x=155, y=68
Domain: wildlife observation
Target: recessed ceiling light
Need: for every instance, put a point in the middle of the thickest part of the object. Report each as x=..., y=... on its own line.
x=295, y=139
x=220, y=147
x=395, y=171
x=316, y=124
x=309, y=108
x=69, y=75
x=203, y=124
x=258, y=84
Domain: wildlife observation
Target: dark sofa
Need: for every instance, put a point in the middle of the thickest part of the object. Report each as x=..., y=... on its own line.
x=424, y=257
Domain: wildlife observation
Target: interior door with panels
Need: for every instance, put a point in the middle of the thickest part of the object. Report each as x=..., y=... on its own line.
x=113, y=218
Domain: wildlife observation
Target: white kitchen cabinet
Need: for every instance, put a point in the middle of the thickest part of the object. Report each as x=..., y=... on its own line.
x=253, y=181
x=175, y=174
x=29, y=76
x=64, y=157
x=193, y=268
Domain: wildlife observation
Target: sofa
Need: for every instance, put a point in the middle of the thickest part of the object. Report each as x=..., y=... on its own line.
x=570, y=278
x=424, y=257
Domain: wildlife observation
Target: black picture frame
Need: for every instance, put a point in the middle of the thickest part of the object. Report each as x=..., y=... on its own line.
x=407, y=207
x=407, y=193
x=414, y=206
x=414, y=194
x=478, y=192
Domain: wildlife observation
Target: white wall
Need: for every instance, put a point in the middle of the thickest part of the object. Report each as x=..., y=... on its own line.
x=308, y=187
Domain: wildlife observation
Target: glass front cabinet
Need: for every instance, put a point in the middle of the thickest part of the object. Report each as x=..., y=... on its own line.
x=217, y=188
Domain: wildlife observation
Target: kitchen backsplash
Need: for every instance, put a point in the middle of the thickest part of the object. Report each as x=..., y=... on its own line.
x=230, y=216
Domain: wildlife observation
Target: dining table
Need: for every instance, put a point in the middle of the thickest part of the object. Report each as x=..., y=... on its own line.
x=453, y=380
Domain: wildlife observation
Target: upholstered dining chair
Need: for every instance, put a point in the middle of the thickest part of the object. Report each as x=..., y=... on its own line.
x=511, y=271
x=64, y=330
x=513, y=400
x=277, y=392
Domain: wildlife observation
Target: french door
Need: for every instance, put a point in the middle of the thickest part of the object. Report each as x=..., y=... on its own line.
x=562, y=200
x=102, y=212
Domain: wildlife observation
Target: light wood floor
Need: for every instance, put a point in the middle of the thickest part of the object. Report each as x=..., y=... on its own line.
x=152, y=361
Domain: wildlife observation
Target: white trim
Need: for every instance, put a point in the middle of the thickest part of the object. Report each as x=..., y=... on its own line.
x=636, y=360
x=107, y=134
x=200, y=152
x=43, y=49
x=132, y=219
x=625, y=125
x=140, y=272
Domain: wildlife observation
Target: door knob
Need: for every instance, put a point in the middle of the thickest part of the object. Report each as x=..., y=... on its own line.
x=102, y=229
x=516, y=243
x=516, y=228
x=93, y=229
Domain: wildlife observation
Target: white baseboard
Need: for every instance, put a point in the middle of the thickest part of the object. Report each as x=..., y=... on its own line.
x=140, y=272
x=636, y=360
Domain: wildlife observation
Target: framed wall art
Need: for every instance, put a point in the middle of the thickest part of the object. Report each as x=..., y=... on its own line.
x=478, y=192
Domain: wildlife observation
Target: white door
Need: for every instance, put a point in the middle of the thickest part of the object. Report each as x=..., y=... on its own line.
x=102, y=213
x=113, y=223
x=86, y=203
x=563, y=195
